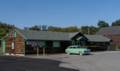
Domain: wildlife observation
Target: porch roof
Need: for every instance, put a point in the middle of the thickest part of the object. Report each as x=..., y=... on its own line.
x=95, y=38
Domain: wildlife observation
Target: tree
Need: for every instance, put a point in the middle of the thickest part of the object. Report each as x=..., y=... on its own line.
x=89, y=29
x=37, y=28
x=85, y=29
x=66, y=29
x=116, y=23
x=54, y=29
x=5, y=28
x=71, y=29
x=44, y=27
x=102, y=24
x=93, y=29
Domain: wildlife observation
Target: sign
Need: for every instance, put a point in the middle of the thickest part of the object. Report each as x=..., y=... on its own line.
x=36, y=43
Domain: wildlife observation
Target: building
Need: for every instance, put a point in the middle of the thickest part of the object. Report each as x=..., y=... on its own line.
x=31, y=42
x=24, y=42
x=93, y=42
x=112, y=33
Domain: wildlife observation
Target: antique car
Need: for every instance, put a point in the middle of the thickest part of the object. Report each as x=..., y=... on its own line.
x=76, y=49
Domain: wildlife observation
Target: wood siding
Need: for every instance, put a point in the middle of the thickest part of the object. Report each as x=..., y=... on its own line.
x=19, y=47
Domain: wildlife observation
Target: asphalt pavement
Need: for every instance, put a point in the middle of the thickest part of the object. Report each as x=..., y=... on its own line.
x=12, y=63
x=98, y=61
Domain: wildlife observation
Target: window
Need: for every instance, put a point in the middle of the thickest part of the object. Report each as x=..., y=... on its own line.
x=56, y=44
x=36, y=43
x=12, y=34
x=41, y=43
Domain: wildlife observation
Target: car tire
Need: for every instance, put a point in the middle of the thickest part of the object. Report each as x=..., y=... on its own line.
x=80, y=53
x=68, y=53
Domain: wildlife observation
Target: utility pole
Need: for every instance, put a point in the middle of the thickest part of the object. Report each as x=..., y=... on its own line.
x=81, y=30
x=88, y=30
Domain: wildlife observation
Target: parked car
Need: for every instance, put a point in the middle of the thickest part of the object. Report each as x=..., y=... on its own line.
x=77, y=50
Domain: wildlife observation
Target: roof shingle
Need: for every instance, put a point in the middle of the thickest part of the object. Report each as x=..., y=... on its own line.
x=97, y=38
x=46, y=35
x=115, y=30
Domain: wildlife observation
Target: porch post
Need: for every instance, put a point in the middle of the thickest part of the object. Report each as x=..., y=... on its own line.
x=37, y=51
x=43, y=51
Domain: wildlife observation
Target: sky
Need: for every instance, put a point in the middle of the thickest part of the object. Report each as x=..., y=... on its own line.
x=60, y=13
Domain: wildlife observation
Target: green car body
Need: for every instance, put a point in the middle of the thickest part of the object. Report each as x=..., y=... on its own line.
x=77, y=50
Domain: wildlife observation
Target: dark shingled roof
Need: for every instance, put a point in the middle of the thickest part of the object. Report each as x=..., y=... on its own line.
x=97, y=38
x=115, y=30
x=60, y=36
x=46, y=35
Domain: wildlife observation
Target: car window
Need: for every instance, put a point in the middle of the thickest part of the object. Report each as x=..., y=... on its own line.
x=74, y=47
x=71, y=47
x=78, y=47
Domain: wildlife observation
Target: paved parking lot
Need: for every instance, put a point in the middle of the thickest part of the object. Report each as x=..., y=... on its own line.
x=99, y=61
x=109, y=61
x=10, y=63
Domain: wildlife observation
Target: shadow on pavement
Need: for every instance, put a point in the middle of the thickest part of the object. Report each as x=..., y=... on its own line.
x=8, y=63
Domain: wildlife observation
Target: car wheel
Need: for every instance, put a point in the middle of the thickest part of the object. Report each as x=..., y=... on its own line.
x=80, y=53
x=68, y=53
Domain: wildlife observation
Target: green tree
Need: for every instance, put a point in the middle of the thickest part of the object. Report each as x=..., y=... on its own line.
x=5, y=28
x=89, y=29
x=116, y=23
x=93, y=29
x=71, y=29
x=66, y=29
x=54, y=29
x=102, y=24
x=44, y=28
x=85, y=29
x=38, y=28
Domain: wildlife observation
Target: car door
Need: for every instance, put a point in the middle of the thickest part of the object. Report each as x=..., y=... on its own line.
x=75, y=50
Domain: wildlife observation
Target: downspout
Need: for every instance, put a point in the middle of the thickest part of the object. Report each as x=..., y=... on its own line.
x=3, y=45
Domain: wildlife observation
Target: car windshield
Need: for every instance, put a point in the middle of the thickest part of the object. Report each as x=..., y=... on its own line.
x=77, y=47
x=74, y=47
